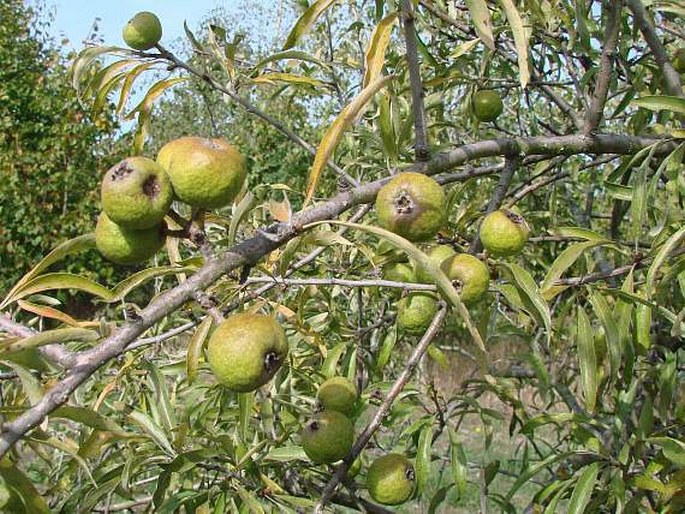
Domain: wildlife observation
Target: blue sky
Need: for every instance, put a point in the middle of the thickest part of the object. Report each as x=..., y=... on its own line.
x=73, y=18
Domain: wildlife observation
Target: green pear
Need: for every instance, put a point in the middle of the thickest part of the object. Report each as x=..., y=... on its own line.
x=246, y=350
x=487, y=105
x=328, y=437
x=399, y=272
x=411, y=205
x=391, y=479
x=206, y=173
x=504, y=232
x=136, y=193
x=143, y=31
x=127, y=246
x=471, y=275
x=415, y=312
x=338, y=393
x=437, y=255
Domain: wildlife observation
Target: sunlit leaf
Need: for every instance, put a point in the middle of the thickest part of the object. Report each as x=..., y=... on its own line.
x=375, y=53
x=520, y=40
x=306, y=21
x=480, y=15
x=587, y=360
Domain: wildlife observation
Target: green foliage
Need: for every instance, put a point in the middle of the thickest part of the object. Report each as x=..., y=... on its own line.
x=559, y=391
x=51, y=154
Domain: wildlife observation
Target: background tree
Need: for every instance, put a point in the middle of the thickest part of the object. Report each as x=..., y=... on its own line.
x=51, y=152
x=575, y=405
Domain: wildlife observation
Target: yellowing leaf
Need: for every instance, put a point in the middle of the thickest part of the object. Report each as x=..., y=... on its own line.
x=378, y=44
x=49, y=312
x=520, y=40
x=290, y=78
x=334, y=133
x=306, y=21
x=195, y=347
x=481, y=21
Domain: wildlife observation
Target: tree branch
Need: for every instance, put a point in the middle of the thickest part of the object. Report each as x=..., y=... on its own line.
x=671, y=77
x=250, y=251
x=382, y=411
x=56, y=353
x=418, y=109
x=613, y=27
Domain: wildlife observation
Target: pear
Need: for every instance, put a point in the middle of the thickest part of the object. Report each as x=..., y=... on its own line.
x=504, y=232
x=136, y=193
x=411, y=205
x=328, y=437
x=471, y=275
x=338, y=393
x=206, y=173
x=143, y=31
x=246, y=350
x=391, y=479
x=415, y=312
x=126, y=246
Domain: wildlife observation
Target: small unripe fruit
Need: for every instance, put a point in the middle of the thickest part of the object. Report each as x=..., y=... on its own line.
x=338, y=393
x=411, y=205
x=487, y=105
x=437, y=256
x=470, y=274
x=246, y=350
x=127, y=246
x=391, y=479
x=136, y=193
x=415, y=312
x=143, y=31
x=679, y=60
x=399, y=272
x=504, y=233
x=328, y=437
x=206, y=173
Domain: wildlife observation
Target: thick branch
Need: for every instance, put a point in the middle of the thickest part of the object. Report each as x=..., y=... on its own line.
x=613, y=19
x=251, y=250
x=383, y=409
x=418, y=109
x=671, y=77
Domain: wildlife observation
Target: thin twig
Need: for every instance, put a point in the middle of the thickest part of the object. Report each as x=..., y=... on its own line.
x=56, y=353
x=613, y=10
x=418, y=108
x=383, y=409
x=671, y=77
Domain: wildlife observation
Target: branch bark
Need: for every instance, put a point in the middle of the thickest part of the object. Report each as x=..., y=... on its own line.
x=613, y=10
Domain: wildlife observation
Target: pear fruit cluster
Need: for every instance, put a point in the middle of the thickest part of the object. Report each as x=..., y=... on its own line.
x=136, y=194
x=329, y=435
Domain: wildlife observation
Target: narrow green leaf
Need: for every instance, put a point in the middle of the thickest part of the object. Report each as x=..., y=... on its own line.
x=558, y=419
x=245, y=403
x=335, y=132
x=131, y=77
x=423, y=457
x=661, y=103
x=375, y=53
x=387, y=347
x=564, y=261
x=87, y=417
x=530, y=295
x=582, y=492
x=51, y=281
x=587, y=359
x=459, y=463
x=520, y=40
x=287, y=454
x=534, y=470
x=59, y=335
x=577, y=232
x=480, y=15
x=153, y=430
x=163, y=405
x=305, y=22
x=75, y=245
x=287, y=78
x=132, y=282
x=613, y=338
x=330, y=363
x=195, y=346
x=672, y=449
x=153, y=93
x=291, y=55
x=31, y=385
x=29, y=500
x=250, y=501
x=660, y=258
x=239, y=212
x=86, y=58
